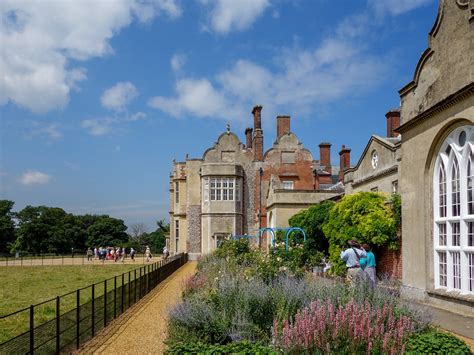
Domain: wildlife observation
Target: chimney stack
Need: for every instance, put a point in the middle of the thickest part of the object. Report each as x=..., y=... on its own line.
x=257, y=117
x=345, y=161
x=325, y=156
x=248, y=136
x=283, y=125
x=393, y=122
x=258, y=134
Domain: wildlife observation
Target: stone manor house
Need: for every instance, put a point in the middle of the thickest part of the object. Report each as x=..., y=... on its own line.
x=427, y=157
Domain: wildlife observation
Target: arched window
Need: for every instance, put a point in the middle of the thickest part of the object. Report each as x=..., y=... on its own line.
x=453, y=182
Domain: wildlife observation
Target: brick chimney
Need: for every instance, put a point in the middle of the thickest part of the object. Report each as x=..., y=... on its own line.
x=258, y=134
x=248, y=137
x=325, y=156
x=345, y=161
x=283, y=125
x=393, y=122
x=257, y=117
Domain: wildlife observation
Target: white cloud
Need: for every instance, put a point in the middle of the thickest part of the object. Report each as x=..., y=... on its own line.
x=137, y=116
x=34, y=178
x=305, y=78
x=195, y=97
x=396, y=7
x=119, y=96
x=98, y=127
x=177, y=62
x=39, y=41
x=229, y=15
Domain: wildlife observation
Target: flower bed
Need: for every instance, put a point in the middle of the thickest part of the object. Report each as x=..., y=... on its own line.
x=240, y=296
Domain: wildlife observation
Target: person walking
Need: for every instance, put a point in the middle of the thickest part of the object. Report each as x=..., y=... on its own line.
x=166, y=253
x=367, y=264
x=148, y=254
x=132, y=254
x=351, y=256
x=89, y=254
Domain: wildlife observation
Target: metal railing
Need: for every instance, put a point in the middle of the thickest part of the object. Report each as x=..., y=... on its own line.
x=67, y=321
x=66, y=259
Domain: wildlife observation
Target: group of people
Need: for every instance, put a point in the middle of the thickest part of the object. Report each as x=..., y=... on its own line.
x=360, y=263
x=110, y=253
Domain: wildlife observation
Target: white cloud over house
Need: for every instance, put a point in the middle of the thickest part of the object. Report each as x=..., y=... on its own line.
x=119, y=96
x=40, y=41
x=33, y=177
x=231, y=15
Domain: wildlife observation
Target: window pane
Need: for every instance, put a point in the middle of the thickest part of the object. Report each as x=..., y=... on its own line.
x=456, y=258
x=443, y=268
x=470, y=234
x=442, y=191
x=470, y=258
x=224, y=194
x=442, y=234
x=218, y=195
x=455, y=234
x=470, y=183
x=455, y=189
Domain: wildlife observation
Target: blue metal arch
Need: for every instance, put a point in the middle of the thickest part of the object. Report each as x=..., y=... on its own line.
x=288, y=231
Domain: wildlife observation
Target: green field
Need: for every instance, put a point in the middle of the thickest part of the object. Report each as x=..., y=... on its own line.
x=23, y=286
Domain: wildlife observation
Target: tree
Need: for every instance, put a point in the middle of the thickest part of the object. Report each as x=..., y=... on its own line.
x=366, y=217
x=107, y=231
x=41, y=229
x=7, y=225
x=312, y=221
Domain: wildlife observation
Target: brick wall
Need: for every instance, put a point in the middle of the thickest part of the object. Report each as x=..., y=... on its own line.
x=389, y=262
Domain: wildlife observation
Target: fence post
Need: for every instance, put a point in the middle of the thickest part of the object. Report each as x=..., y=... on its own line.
x=32, y=329
x=123, y=293
x=115, y=297
x=78, y=317
x=105, y=303
x=129, y=289
x=140, y=288
x=58, y=325
x=62, y=259
x=135, y=287
x=42, y=260
x=21, y=261
x=93, y=310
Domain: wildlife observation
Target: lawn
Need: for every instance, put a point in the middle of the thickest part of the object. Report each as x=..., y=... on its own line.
x=23, y=286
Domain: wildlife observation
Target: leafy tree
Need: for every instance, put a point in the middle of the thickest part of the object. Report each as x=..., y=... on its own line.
x=312, y=221
x=106, y=231
x=41, y=229
x=7, y=225
x=366, y=217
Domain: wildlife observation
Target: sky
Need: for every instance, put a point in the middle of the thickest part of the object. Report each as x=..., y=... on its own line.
x=97, y=97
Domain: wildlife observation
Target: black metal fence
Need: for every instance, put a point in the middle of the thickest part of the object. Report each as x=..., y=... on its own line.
x=66, y=259
x=67, y=321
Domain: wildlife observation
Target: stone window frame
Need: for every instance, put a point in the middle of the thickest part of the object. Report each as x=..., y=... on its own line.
x=288, y=185
x=221, y=189
x=453, y=227
x=176, y=233
x=176, y=192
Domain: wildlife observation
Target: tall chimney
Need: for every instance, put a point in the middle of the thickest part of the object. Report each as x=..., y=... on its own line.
x=257, y=117
x=283, y=125
x=257, y=134
x=393, y=122
x=325, y=156
x=248, y=137
x=345, y=161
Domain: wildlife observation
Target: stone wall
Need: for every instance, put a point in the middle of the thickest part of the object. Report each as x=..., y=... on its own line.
x=194, y=229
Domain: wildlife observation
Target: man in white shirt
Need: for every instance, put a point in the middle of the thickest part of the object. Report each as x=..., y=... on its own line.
x=351, y=257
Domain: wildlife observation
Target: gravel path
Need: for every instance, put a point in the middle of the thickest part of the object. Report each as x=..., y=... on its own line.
x=142, y=330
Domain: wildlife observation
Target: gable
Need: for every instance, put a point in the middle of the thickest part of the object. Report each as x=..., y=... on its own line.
x=447, y=65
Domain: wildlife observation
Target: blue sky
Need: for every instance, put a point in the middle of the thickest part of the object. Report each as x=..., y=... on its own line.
x=98, y=97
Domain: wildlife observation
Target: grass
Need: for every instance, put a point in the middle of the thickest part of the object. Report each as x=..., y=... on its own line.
x=23, y=286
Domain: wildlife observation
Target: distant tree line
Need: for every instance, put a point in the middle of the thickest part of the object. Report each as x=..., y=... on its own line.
x=43, y=229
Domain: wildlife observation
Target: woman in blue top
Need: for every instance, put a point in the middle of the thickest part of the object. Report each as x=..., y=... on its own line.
x=367, y=264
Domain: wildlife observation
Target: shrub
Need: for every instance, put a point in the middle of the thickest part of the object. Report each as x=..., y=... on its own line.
x=243, y=347
x=364, y=216
x=436, y=342
x=353, y=328
x=312, y=221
